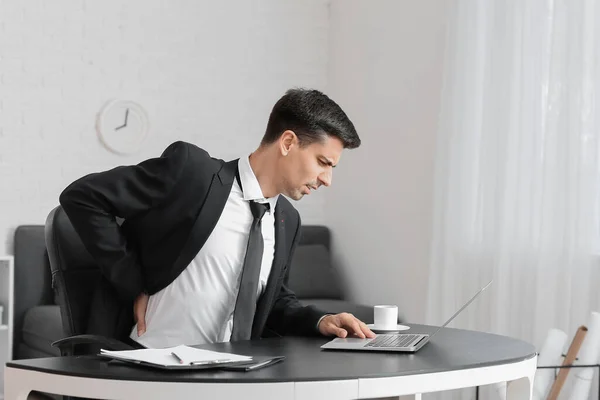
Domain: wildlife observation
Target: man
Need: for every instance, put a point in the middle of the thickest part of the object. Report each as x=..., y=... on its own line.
x=204, y=249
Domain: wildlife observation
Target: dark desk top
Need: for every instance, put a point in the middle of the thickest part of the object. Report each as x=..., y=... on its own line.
x=450, y=349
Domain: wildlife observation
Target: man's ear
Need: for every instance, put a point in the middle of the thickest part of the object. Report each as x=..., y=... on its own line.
x=287, y=141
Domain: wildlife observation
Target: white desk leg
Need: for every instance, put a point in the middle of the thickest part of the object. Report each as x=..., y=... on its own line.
x=14, y=389
x=500, y=389
x=520, y=389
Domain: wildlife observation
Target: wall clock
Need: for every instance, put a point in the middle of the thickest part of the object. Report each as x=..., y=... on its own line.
x=122, y=126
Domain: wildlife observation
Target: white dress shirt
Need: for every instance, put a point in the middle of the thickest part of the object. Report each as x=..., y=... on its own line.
x=197, y=307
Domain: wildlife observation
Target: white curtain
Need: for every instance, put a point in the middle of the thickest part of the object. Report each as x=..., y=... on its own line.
x=517, y=168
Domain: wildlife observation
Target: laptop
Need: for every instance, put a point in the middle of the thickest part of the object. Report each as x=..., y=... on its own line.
x=401, y=342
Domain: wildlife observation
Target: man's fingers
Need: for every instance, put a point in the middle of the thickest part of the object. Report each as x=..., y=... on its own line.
x=139, y=311
x=356, y=328
x=141, y=328
x=339, y=332
x=332, y=328
x=365, y=329
x=344, y=324
x=141, y=321
x=350, y=321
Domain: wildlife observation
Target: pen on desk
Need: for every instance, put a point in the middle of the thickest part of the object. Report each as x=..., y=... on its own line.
x=177, y=357
x=211, y=362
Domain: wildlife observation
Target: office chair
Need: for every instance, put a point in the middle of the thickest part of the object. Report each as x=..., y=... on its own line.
x=75, y=278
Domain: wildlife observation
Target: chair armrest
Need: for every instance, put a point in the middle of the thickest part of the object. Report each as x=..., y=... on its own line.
x=69, y=344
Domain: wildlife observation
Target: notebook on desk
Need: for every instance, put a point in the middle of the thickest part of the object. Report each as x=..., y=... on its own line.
x=186, y=357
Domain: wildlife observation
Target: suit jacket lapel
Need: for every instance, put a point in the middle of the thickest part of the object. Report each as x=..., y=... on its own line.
x=265, y=302
x=209, y=213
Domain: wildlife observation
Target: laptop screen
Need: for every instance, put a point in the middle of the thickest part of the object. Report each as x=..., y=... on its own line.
x=462, y=308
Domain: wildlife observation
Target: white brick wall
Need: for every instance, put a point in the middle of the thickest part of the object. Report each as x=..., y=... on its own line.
x=207, y=72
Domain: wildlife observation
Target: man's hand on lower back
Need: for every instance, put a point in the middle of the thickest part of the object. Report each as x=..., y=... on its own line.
x=139, y=312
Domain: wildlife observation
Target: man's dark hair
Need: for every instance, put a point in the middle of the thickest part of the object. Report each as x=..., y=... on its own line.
x=312, y=116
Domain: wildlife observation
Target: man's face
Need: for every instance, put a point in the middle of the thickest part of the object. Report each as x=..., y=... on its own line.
x=303, y=169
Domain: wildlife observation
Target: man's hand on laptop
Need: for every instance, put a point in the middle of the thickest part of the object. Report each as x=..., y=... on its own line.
x=139, y=312
x=344, y=325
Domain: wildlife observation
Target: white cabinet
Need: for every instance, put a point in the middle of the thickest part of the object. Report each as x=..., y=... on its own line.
x=6, y=322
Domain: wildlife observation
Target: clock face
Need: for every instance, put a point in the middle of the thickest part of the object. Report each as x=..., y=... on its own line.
x=122, y=126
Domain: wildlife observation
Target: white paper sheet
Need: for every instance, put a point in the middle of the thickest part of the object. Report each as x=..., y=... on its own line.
x=166, y=358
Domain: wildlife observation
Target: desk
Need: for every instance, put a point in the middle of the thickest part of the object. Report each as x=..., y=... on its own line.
x=453, y=359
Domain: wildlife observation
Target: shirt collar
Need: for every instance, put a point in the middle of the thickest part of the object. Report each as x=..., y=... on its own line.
x=250, y=186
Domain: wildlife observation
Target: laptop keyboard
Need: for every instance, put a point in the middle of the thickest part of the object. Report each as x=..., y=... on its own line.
x=402, y=340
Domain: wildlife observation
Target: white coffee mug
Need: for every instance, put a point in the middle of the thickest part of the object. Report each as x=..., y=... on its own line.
x=385, y=316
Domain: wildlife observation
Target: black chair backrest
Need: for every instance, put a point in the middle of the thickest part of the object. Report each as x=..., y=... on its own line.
x=315, y=234
x=74, y=272
x=32, y=276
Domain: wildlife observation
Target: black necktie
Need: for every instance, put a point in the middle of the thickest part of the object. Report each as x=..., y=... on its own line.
x=245, y=306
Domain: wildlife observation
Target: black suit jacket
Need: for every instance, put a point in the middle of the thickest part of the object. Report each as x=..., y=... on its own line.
x=145, y=223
